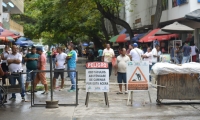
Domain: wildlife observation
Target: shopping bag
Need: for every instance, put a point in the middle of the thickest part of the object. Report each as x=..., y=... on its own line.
x=114, y=61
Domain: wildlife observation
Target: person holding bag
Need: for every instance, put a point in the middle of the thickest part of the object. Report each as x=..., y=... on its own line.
x=136, y=53
x=108, y=55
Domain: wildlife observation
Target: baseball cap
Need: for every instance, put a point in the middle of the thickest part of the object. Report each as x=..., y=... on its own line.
x=135, y=45
x=39, y=49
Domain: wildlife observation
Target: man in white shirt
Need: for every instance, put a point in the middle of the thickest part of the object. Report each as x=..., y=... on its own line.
x=136, y=53
x=108, y=54
x=14, y=65
x=59, y=65
x=155, y=54
x=148, y=57
x=120, y=70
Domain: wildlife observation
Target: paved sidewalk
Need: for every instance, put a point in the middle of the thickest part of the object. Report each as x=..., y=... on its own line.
x=97, y=110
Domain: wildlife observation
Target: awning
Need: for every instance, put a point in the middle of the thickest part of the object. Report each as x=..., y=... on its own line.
x=194, y=15
x=136, y=37
x=177, y=28
x=149, y=37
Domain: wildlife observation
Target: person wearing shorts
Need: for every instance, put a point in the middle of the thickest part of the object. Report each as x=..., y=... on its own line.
x=31, y=60
x=120, y=70
x=40, y=76
x=60, y=66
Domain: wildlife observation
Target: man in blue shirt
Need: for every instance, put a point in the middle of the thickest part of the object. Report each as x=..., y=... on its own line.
x=186, y=53
x=72, y=66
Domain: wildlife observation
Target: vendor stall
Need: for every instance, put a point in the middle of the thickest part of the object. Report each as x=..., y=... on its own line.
x=177, y=82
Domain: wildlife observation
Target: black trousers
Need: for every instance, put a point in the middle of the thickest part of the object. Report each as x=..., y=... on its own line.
x=5, y=69
x=110, y=68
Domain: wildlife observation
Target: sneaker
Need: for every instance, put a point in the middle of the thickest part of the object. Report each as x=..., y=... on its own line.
x=71, y=90
x=13, y=99
x=126, y=92
x=28, y=91
x=61, y=89
x=33, y=91
x=23, y=98
x=119, y=92
x=44, y=93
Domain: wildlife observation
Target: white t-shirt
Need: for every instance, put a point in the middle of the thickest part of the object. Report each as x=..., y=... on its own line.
x=121, y=63
x=193, y=52
x=149, y=55
x=154, y=52
x=136, y=54
x=15, y=67
x=108, y=54
x=61, y=58
x=5, y=54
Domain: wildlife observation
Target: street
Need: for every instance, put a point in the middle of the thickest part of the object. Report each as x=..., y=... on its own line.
x=118, y=110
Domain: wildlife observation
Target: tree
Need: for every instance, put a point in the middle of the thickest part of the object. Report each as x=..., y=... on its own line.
x=110, y=9
x=158, y=14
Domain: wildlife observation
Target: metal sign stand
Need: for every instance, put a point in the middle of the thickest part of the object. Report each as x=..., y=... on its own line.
x=130, y=97
x=105, y=96
x=97, y=66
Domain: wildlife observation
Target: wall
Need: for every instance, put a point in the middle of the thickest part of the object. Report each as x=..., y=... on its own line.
x=144, y=9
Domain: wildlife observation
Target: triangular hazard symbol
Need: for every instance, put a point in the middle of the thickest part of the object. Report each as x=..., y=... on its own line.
x=144, y=80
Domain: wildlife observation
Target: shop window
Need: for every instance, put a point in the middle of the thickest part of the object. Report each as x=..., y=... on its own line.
x=178, y=2
x=174, y=3
x=164, y=4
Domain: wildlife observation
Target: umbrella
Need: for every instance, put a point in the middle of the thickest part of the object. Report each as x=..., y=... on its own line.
x=23, y=39
x=177, y=28
x=7, y=39
x=123, y=31
x=119, y=38
x=24, y=43
x=85, y=44
x=194, y=15
x=1, y=29
x=136, y=37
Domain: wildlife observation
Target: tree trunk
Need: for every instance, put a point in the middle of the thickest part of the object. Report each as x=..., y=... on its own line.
x=105, y=32
x=114, y=26
x=114, y=19
x=158, y=14
x=97, y=41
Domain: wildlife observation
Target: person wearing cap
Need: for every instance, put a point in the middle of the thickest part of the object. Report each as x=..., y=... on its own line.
x=136, y=53
x=40, y=76
x=31, y=60
x=14, y=61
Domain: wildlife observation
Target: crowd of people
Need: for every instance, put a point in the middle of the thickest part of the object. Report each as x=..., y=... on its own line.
x=134, y=53
x=37, y=60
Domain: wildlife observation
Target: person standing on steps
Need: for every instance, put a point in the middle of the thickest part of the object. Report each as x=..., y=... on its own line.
x=31, y=60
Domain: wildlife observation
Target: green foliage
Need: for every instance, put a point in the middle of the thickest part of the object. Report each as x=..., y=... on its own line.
x=59, y=21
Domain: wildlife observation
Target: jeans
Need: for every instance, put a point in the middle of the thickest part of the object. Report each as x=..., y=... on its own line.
x=185, y=59
x=110, y=68
x=150, y=66
x=72, y=76
x=30, y=76
x=175, y=60
x=21, y=83
x=53, y=62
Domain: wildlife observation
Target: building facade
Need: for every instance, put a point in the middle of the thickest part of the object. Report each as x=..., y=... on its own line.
x=8, y=7
x=140, y=14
